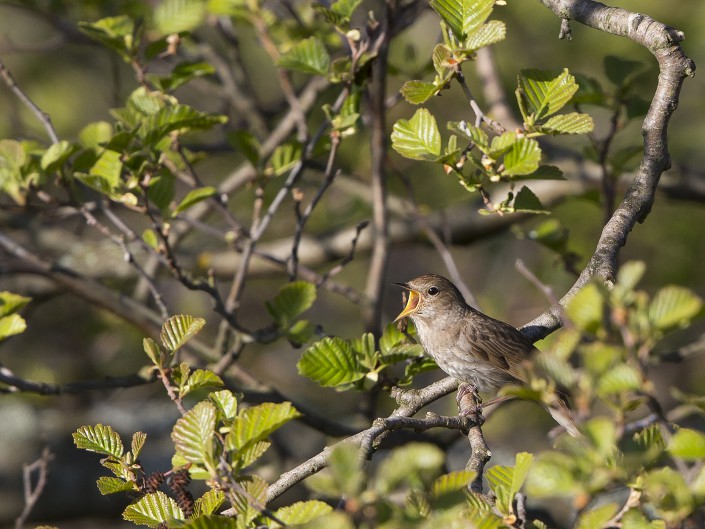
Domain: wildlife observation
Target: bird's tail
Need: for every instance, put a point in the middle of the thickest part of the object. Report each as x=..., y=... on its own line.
x=561, y=414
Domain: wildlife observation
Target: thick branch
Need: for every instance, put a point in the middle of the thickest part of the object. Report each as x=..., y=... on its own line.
x=662, y=41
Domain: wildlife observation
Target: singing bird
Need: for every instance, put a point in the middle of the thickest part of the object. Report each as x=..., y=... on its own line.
x=467, y=344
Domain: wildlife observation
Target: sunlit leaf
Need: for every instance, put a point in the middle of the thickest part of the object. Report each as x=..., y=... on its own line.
x=100, y=439
x=597, y=517
x=330, y=362
x=673, y=306
x=209, y=502
x=619, y=379
x=688, y=444
x=12, y=325
x=153, y=509
x=200, y=378
x=417, y=92
x=56, y=155
x=258, y=422
x=194, y=197
x=225, y=401
x=544, y=93
x=463, y=16
x=527, y=202
x=175, y=16
x=489, y=33
x=522, y=158
x=301, y=512
x=109, y=485
x=193, y=433
x=292, y=299
x=573, y=123
x=417, y=138
x=308, y=56
x=178, y=330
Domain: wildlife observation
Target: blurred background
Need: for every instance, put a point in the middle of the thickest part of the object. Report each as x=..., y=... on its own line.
x=67, y=340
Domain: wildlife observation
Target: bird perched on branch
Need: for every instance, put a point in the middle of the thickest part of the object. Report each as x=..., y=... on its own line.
x=471, y=347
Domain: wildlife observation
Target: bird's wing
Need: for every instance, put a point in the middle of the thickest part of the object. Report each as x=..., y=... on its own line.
x=500, y=344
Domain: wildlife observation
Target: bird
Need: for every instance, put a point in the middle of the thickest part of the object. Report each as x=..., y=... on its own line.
x=468, y=345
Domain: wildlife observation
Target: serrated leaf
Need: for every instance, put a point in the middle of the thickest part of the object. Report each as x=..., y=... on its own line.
x=442, y=59
x=688, y=444
x=345, y=466
x=619, y=379
x=258, y=422
x=292, y=299
x=193, y=433
x=417, y=138
x=153, y=509
x=179, y=329
x=452, y=482
x=573, y=123
x=115, y=33
x=417, y=92
x=56, y=155
x=673, y=306
x=175, y=16
x=12, y=325
x=490, y=33
x=527, y=202
x=183, y=118
x=522, y=158
x=225, y=401
x=109, y=485
x=138, y=440
x=330, y=362
x=99, y=438
x=308, y=56
x=500, y=478
x=194, y=197
x=301, y=512
x=598, y=517
x=201, y=378
x=212, y=521
x=544, y=172
x=208, y=503
x=545, y=94
x=585, y=309
x=522, y=465
x=251, y=453
x=463, y=16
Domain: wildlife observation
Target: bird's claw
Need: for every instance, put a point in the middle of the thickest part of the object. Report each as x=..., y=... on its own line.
x=469, y=402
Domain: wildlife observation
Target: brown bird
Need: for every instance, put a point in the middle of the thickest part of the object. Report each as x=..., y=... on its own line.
x=467, y=344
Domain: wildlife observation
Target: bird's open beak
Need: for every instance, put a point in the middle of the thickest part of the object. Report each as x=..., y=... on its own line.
x=411, y=304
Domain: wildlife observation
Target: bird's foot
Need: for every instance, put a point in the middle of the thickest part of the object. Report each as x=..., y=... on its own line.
x=469, y=402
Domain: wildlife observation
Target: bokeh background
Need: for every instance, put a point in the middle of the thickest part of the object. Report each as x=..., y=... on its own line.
x=68, y=340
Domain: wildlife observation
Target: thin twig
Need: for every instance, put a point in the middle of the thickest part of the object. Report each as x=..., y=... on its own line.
x=42, y=116
x=32, y=492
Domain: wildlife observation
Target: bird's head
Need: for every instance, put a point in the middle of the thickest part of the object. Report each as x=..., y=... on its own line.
x=430, y=296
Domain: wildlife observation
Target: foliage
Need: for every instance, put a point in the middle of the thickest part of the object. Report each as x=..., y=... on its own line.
x=143, y=178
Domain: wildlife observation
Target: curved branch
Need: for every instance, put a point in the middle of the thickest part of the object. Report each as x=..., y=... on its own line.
x=663, y=42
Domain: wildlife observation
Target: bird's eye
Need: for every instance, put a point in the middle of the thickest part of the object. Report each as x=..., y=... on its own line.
x=433, y=291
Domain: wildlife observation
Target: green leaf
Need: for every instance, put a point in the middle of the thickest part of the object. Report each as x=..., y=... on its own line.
x=293, y=299
x=185, y=72
x=345, y=8
x=634, y=519
x=178, y=330
x=673, y=306
x=246, y=143
x=522, y=465
x=330, y=362
x=620, y=71
x=251, y=453
x=463, y=16
x=175, y=16
x=522, y=158
x=666, y=491
x=101, y=439
x=573, y=123
x=193, y=433
x=161, y=190
x=116, y=33
x=688, y=444
x=544, y=94
x=527, y=202
x=93, y=134
x=630, y=273
x=12, y=325
x=56, y=155
x=345, y=467
x=301, y=512
x=171, y=118
x=598, y=517
x=201, y=378
x=152, y=350
x=150, y=237
x=452, y=482
x=308, y=56
x=194, y=197
x=417, y=92
x=414, y=464
x=585, y=309
x=109, y=485
x=417, y=138
x=225, y=401
x=619, y=379
x=285, y=157
x=544, y=172
x=206, y=522
x=624, y=159
x=490, y=33
x=208, y=503
x=138, y=440
x=108, y=168
x=153, y=509
x=258, y=422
